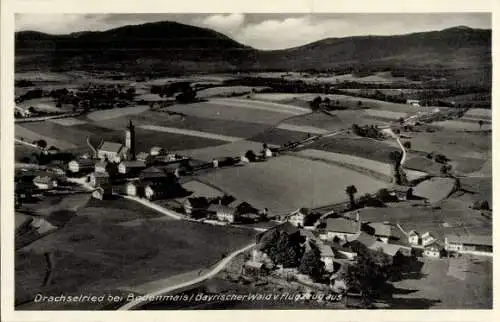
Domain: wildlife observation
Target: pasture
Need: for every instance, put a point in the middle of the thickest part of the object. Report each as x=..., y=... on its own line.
x=287, y=183
x=34, y=131
x=356, y=146
x=224, y=91
x=458, y=125
x=464, y=283
x=93, y=252
x=453, y=144
x=232, y=149
x=102, y=115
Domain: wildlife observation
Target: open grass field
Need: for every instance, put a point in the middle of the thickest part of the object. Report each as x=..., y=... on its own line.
x=458, y=125
x=95, y=253
x=435, y=189
x=468, y=165
x=464, y=283
x=476, y=189
x=424, y=164
x=286, y=183
x=356, y=146
x=68, y=121
x=226, y=110
x=200, y=189
x=384, y=169
x=276, y=136
x=482, y=113
x=41, y=131
x=23, y=151
x=453, y=144
x=116, y=112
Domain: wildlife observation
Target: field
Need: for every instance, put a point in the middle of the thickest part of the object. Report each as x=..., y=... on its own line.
x=23, y=151
x=458, y=125
x=286, y=183
x=464, y=283
x=357, y=146
x=224, y=150
x=222, y=91
x=30, y=132
x=423, y=164
x=435, y=189
x=116, y=112
x=453, y=144
x=93, y=252
x=384, y=169
x=44, y=104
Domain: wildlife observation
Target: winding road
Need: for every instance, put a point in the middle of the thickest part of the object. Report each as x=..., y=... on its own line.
x=144, y=299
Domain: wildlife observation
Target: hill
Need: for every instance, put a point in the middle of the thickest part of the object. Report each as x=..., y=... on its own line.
x=167, y=47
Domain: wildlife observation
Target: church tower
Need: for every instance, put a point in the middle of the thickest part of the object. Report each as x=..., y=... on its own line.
x=130, y=140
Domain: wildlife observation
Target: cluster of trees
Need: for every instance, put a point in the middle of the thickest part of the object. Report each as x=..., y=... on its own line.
x=368, y=200
x=369, y=131
x=369, y=274
x=288, y=250
x=31, y=94
x=326, y=103
x=94, y=97
x=183, y=91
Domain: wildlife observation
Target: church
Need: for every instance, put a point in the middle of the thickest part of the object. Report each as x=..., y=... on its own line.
x=117, y=152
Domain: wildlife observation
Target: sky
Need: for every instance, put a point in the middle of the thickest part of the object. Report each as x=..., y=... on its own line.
x=265, y=31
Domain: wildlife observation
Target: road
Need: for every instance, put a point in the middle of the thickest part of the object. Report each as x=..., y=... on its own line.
x=217, y=269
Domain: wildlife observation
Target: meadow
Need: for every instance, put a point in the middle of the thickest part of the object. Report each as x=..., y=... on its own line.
x=286, y=183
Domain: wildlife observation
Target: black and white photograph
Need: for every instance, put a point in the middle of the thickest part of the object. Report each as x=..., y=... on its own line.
x=252, y=161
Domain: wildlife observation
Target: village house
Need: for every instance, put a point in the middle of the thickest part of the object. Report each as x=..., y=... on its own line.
x=340, y=228
x=45, y=182
x=224, y=213
x=103, y=192
x=131, y=167
x=414, y=238
x=469, y=244
x=154, y=189
x=112, y=151
x=100, y=166
x=427, y=239
x=433, y=250
x=134, y=188
x=327, y=256
x=97, y=179
x=156, y=150
x=152, y=173
x=142, y=156
x=413, y=102
x=81, y=165
x=382, y=231
x=298, y=217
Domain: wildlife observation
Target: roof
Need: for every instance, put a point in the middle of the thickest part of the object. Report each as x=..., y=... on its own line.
x=382, y=229
x=342, y=225
x=142, y=156
x=111, y=147
x=254, y=264
x=100, y=174
x=364, y=238
x=101, y=164
x=413, y=233
x=199, y=202
x=134, y=164
x=307, y=233
x=388, y=249
x=43, y=179
x=470, y=239
x=222, y=208
x=157, y=149
x=84, y=162
x=153, y=172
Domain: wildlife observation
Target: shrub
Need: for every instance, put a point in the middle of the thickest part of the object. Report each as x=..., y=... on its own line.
x=481, y=205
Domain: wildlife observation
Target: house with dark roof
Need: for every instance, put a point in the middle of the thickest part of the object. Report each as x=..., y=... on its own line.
x=131, y=167
x=81, y=165
x=340, y=228
x=193, y=204
x=298, y=217
x=434, y=250
x=154, y=189
x=152, y=173
x=382, y=231
x=98, y=179
x=469, y=244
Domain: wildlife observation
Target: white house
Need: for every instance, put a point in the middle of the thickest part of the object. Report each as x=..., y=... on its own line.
x=433, y=250
x=327, y=257
x=415, y=103
x=81, y=165
x=45, y=182
x=100, y=166
x=156, y=150
x=224, y=213
x=298, y=217
x=414, y=238
x=427, y=239
x=469, y=244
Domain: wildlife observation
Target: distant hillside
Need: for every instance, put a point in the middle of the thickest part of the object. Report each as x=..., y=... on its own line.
x=462, y=53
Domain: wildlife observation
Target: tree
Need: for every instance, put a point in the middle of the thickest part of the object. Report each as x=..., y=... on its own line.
x=251, y=156
x=395, y=157
x=369, y=273
x=480, y=122
x=351, y=191
x=360, y=103
x=440, y=158
x=401, y=120
x=445, y=169
x=311, y=264
x=315, y=103
x=41, y=144
x=407, y=145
